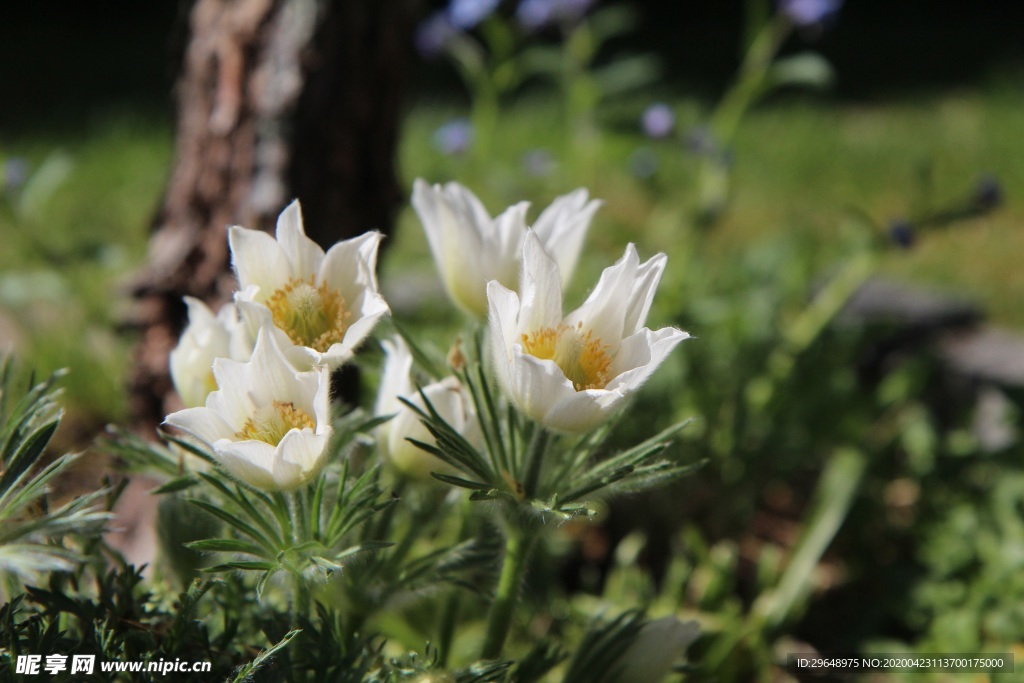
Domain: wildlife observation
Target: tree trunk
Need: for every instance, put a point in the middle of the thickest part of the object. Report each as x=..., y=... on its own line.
x=276, y=99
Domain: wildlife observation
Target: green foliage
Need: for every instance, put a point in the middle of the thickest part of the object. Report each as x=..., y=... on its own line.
x=843, y=504
x=35, y=539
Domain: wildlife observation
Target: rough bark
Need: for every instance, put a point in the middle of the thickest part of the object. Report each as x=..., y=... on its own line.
x=276, y=99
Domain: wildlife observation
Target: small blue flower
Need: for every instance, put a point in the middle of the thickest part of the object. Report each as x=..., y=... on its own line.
x=701, y=142
x=466, y=14
x=807, y=13
x=454, y=137
x=534, y=15
x=538, y=163
x=643, y=163
x=15, y=171
x=658, y=121
x=901, y=232
x=433, y=34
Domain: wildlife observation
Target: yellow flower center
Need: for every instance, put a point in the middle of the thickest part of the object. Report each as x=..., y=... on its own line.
x=583, y=359
x=312, y=315
x=271, y=423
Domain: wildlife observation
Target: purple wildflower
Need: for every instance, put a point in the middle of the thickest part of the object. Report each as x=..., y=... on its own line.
x=538, y=163
x=466, y=14
x=808, y=13
x=433, y=34
x=454, y=137
x=658, y=120
x=534, y=15
x=15, y=171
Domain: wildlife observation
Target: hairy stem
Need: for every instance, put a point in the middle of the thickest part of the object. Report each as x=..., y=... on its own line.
x=517, y=550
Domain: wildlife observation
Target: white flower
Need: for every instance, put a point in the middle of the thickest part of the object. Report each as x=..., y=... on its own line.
x=658, y=645
x=326, y=304
x=471, y=248
x=206, y=337
x=449, y=399
x=571, y=373
x=268, y=424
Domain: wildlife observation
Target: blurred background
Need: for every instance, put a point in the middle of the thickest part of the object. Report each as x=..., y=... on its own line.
x=836, y=186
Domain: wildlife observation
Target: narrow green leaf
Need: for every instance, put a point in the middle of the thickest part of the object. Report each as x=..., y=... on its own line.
x=235, y=522
x=245, y=566
x=225, y=545
x=460, y=482
x=179, y=484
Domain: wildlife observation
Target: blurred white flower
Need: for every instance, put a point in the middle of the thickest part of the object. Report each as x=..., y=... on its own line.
x=325, y=304
x=470, y=248
x=657, y=647
x=571, y=373
x=449, y=399
x=267, y=424
x=206, y=337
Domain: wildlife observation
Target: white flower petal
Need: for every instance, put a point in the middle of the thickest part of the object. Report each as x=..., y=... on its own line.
x=274, y=378
x=450, y=216
x=303, y=254
x=255, y=317
x=503, y=244
x=348, y=266
x=541, y=287
x=258, y=260
x=299, y=457
x=604, y=311
x=563, y=226
x=447, y=397
x=537, y=385
x=205, y=338
x=372, y=309
x=469, y=247
x=233, y=399
x=583, y=410
x=251, y=461
x=191, y=361
x=205, y=425
x=503, y=306
x=640, y=355
x=451, y=404
x=198, y=312
x=658, y=645
x=641, y=294
x=395, y=377
x=467, y=203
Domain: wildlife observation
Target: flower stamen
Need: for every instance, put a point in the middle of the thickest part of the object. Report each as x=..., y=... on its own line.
x=312, y=315
x=584, y=359
x=271, y=423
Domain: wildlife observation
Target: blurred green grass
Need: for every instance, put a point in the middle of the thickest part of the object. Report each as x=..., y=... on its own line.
x=800, y=165
x=65, y=257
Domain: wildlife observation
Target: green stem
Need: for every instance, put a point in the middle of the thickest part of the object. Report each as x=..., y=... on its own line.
x=517, y=550
x=449, y=618
x=534, y=460
x=300, y=534
x=300, y=600
x=450, y=611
